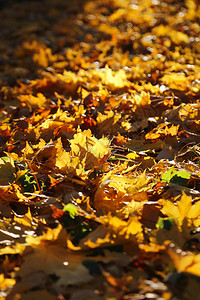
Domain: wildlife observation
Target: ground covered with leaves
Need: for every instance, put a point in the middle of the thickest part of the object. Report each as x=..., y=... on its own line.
x=99, y=149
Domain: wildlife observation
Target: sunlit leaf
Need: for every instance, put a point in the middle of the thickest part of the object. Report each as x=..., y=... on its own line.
x=173, y=175
x=99, y=142
x=184, y=261
x=114, y=191
x=114, y=80
x=32, y=102
x=7, y=170
x=71, y=209
x=26, y=220
x=183, y=213
x=6, y=282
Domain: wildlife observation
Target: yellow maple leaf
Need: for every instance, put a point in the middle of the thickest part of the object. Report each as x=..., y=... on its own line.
x=32, y=102
x=128, y=230
x=113, y=230
x=70, y=80
x=12, y=193
x=50, y=236
x=86, y=153
x=26, y=220
x=7, y=169
x=27, y=151
x=184, y=213
x=142, y=99
x=114, y=80
x=162, y=130
x=183, y=261
x=116, y=191
x=176, y=36
x=175, y=81
x=89, y=149
x=62, y=158
x=17, y=248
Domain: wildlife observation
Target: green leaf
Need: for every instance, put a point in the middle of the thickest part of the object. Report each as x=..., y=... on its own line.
x=175, y=176
x=71, y=209
x=28, y=182
x=168, y=176
x=164, y=223
x=183, y=174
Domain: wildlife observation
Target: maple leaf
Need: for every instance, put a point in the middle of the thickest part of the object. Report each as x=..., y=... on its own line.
x=114, y=81
x=48, y=255
x=12, y=193
x=70, y=79
x=108, y=123
x=114, y=191
x=128, y=230
x=184, y=261
x=26, y=220
x=7, y=170
x=163, y=129
x=173, y=175
x=114, y=231
x=86, y=153
x=27, y=151
x=32, y=102
x=184, y=214
x=117, y=69
x=89, y=150
x=142, y=99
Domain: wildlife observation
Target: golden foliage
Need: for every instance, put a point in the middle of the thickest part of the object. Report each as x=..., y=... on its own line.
x=99, y=149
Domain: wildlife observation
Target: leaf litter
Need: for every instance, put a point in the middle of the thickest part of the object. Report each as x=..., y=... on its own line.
x=99, y=149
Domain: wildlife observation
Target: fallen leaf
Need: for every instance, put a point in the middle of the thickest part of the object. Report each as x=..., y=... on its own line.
x=7, y=170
